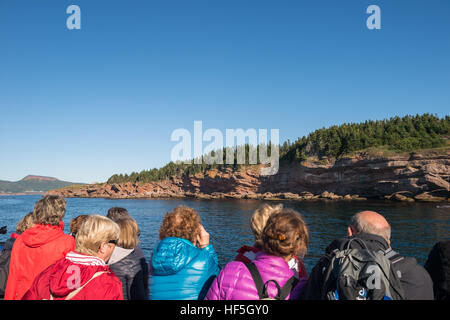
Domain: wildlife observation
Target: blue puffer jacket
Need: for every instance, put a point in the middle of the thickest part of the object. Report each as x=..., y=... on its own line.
x=181, y=271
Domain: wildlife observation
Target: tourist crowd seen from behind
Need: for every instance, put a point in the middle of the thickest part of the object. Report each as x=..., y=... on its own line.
x=101, y=259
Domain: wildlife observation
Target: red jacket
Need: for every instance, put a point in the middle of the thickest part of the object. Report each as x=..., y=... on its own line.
x=72, y=272
x=33, y=251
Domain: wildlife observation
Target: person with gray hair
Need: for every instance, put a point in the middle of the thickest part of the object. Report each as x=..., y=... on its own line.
x=370, y=222
x=371, y=230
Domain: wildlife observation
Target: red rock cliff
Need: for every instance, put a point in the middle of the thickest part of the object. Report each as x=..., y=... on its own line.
x=411, y=178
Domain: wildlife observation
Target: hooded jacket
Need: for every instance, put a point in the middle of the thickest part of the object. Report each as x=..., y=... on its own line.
x=181, y=271
x=35, y=249
x=72, y=272
x=131, y=268
x=235, y=282
x=415, y=280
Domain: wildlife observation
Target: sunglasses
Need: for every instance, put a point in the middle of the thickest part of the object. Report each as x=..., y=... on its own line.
x=112, y=241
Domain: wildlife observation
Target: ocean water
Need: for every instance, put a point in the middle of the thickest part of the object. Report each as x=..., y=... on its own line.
x=416, y=227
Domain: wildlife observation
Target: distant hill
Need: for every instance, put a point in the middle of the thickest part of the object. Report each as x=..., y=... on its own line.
x=33, y=184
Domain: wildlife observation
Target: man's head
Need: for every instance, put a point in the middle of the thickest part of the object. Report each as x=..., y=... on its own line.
x=117, y=213
x=370, y=222
x=49, y=210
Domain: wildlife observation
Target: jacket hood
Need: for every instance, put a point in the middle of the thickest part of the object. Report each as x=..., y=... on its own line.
x=41, y=234
x=68, y=275
x=372, y=241
x=119, y=254
x=171, y=255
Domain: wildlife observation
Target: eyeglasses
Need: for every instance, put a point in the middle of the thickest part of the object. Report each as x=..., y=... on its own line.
x=112, y=241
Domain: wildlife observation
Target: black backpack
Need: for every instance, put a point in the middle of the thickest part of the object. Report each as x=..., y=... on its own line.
x=362, y=274
x=262, y=287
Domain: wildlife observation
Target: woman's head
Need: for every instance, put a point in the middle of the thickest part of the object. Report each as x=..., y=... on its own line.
x=129, y=233
x=285, y=234
x=182, y=222
x=94, y=233
x=259, y=220
x=25, y=223
x=49, y=210
x=76, y=223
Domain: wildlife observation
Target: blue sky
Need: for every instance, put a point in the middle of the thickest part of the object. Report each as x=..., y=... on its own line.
x=81, y=105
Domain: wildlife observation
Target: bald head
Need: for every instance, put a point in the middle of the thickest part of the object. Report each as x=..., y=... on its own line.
x=370, y=222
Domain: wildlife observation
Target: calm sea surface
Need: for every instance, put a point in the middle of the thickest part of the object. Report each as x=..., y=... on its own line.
x=415, y=227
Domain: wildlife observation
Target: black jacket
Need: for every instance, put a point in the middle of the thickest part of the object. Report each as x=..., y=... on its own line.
x=415, y=280
x=132, y=271
x=5, y=257
x=438, y=266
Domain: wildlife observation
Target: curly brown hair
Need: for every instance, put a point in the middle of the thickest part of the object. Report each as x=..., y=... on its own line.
x=25, y=223
x=49, y=210
x=285, y=234
x=75, y=224
x=182, y=222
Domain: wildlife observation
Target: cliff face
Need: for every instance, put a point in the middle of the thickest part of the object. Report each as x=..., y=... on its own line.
x=412, y=178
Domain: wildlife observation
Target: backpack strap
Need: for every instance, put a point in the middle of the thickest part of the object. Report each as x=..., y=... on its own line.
x=75, y=292
x=287, y=288
x=258, y=280
x=262, y=287
x=392, y=255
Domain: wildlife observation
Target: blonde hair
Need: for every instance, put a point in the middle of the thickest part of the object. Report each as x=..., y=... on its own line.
x=93, y=232
x=129, y=232
x=259, y=220
x=25, y=223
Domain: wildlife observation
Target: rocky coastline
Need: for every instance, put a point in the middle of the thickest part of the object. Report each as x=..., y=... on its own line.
x=398, y=178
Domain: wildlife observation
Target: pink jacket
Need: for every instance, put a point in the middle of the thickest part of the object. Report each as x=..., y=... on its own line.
x=235, y=282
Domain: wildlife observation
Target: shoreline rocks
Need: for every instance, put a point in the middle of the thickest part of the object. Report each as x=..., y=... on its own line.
x=403, y=179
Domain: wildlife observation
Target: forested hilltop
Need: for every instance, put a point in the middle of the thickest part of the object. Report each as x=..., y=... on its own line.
x=395, y=135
